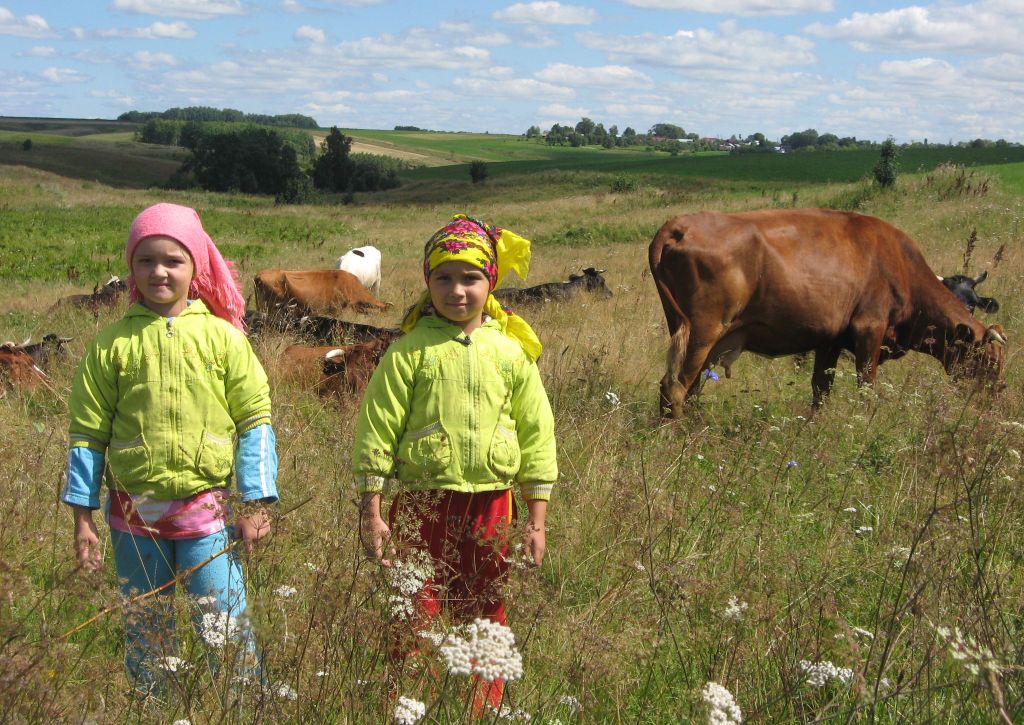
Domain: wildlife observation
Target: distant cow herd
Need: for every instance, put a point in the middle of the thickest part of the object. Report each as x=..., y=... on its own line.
x=774, y=282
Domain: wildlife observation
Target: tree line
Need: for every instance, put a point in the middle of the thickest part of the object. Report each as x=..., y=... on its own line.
x=229, y=115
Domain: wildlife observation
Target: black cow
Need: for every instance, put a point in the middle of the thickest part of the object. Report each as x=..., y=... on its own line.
x=108, y=295
x=50, y=347
x=963, y=287
x=590, y=281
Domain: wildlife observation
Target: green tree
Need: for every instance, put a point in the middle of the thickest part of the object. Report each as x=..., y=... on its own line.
x=478, y=171
x=26, y=145
x=533, y=132
x=801, y=139
x=885, y=171
x=667, y=130
x=333, y=169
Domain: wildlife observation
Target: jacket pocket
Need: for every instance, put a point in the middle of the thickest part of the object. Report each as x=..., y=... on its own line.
x=215, y=456
x=424, y=453
x=129, y=461
x=505, y=456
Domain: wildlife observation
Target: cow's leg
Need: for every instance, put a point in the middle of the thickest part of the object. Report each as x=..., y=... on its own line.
x=867, y=347
x=673, y=392
x=825, y=360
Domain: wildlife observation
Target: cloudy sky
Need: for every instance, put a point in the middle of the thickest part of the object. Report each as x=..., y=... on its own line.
x=942, y=70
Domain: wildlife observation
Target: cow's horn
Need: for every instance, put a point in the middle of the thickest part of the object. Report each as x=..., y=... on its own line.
x=939, y=277
x=337, y=352
x=994, y=336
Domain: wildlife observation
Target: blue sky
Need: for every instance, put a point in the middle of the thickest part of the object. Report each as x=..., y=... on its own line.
x=942, y=71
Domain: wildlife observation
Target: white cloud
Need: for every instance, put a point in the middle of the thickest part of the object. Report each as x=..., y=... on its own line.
x=195, y=9
x=30, y=26
x=292, y=6
x=147, y=61
x=308, y=32
x=64, y=75
x=156, y=31
x=546, y=12
x=981, y=27
x=518, y=88
x=562, y=114
x=634, y=110
x=608, y=76
x=118, y=99
x=728, y=48
x=39, y=51
x=738, y=7
x=488, y=38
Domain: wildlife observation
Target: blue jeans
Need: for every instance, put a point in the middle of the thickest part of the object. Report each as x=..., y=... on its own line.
x=218, y=588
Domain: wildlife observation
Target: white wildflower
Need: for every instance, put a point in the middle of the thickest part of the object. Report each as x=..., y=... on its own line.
x=571, y=702
x=284, y=591
x=512, y=713
x=435, y=638
x=409, y=711
x=323, y=673
x=612, y=398
x=863, y=530
x=207, y=601
x=181, y=722
x=974, y=656
x=312, y=567
x=283, y=691
x=819, y=674
x=866, y=633
x=406, y=578
x=172, y=664
x=734, y=608
x=638, y=565
x=218, y=628
x=722, y=707
x=488, y=650
x=1014, y=454
x=900, y=556
x=850, y=510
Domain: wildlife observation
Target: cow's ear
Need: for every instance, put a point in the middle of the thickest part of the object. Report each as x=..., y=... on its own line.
x=574, y=277
x=981, y=277
x=988, y=304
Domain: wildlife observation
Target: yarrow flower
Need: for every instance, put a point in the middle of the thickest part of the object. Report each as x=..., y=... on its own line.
x=966, y=650
x=409, y=711
x=406, y=579
x=819, y=674
x=512, y=713
x=172, y=664
x=284, y=591
x=863, y=530
x=734, y=608
x=218, y=628
x=488, y=650
x=722, y=707
x=571, y=702
x=284, y=691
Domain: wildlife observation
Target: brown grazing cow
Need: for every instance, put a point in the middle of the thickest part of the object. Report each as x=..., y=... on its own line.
x=781, y=282
x=314, y=291
x=347, y=369
x=17, y=369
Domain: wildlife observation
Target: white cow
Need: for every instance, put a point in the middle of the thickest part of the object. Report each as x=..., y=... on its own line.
x=364, y=263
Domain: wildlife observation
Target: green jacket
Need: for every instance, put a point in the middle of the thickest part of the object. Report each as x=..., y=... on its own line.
x=439, y=413
x=164, y=398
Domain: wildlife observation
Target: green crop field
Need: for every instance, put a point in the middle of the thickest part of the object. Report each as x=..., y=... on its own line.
x=861, y=564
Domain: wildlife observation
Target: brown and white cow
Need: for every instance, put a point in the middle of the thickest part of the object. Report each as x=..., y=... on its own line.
x=347, y=369
x=313, y=291
x=781, y=282
x=18, y=369
x=110, y=294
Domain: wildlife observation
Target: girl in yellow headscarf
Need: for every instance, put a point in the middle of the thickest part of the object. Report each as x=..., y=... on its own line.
x=456, y=414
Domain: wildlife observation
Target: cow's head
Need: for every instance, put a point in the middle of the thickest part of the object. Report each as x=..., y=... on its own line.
x=980, y=355
x=963, y=287
x=592, y=281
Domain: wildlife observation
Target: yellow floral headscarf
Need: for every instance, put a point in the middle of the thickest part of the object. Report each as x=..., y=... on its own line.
x=495, y=252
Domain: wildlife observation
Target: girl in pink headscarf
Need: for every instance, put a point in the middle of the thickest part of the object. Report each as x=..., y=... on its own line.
x=168, y=404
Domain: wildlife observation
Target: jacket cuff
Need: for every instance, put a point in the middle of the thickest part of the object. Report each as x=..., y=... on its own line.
x=370, y=484
x=536, y=491
x=244, y=426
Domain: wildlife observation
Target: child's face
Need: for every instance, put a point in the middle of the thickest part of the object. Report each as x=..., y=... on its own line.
x=163, y=270
x=458, y=291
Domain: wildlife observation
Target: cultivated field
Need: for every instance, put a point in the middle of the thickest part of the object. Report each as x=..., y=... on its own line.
x=863, y=565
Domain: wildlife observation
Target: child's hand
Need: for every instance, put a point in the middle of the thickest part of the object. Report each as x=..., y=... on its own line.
x=534, y=543
x=87, y=540
x=252, y=526
x=375, y=534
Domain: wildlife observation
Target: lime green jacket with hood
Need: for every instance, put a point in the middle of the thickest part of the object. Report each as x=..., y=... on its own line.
x=165, y=398
x=444, y=410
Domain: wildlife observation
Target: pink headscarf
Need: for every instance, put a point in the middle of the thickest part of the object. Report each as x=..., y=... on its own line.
x=215, y=281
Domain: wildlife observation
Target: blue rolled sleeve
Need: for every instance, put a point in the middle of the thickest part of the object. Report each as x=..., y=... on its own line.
x=256, y=464
x=85, y=472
